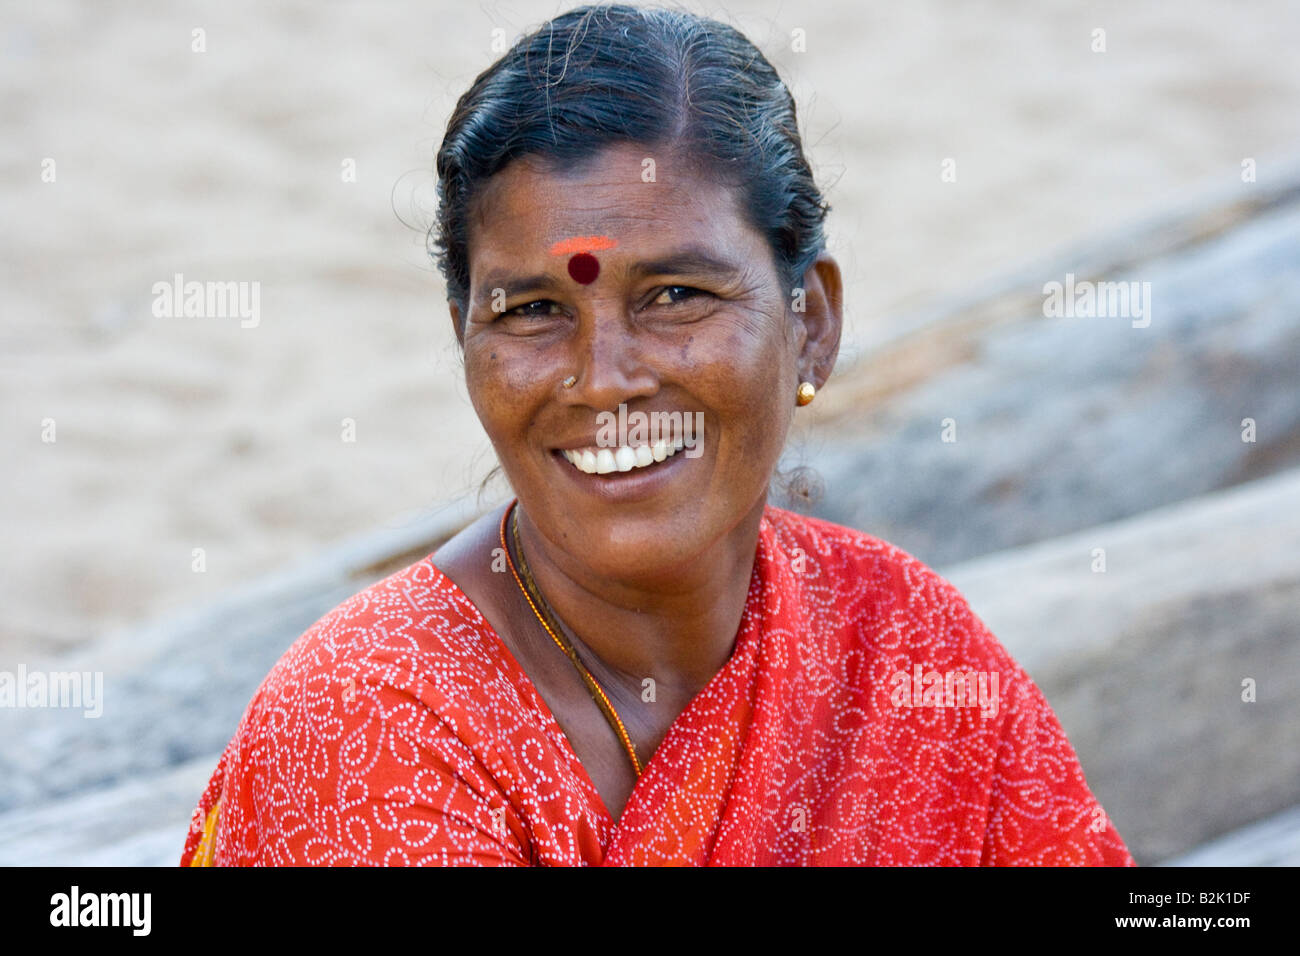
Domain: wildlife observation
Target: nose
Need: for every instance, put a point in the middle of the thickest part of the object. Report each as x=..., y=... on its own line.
x=610, y=362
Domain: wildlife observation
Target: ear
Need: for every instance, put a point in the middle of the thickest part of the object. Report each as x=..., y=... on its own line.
x=457, y=326
x=822, y=320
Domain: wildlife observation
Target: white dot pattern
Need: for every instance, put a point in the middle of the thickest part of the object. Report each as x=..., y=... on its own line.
x=399, y=730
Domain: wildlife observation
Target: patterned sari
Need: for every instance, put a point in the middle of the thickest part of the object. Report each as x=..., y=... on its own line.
x=865, y=716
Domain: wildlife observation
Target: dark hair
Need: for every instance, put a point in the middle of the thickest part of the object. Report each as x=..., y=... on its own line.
x=611, y=73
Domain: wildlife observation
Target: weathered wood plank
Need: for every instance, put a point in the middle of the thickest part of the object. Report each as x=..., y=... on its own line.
x=1064, y=423
x=141, y=822
x=1271, y=842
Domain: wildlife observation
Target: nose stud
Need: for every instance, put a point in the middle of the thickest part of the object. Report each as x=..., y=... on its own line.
x=570, y=381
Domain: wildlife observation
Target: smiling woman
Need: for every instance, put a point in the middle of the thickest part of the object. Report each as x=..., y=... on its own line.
x=638, y=659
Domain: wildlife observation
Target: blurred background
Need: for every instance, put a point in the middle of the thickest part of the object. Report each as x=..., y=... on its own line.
x=181, y=497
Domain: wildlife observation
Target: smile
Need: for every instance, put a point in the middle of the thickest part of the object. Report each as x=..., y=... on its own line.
x=603, y=461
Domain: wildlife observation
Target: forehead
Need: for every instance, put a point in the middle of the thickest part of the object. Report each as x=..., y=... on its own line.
x=530, y=206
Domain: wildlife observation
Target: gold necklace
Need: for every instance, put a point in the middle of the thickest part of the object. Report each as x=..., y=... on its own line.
x=553, y=627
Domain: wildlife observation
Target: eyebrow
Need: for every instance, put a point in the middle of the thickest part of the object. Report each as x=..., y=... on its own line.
x=691, y=260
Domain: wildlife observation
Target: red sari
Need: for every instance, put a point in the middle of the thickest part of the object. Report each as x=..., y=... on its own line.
x=400, y=730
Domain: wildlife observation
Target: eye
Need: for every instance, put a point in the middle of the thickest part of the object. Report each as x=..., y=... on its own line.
x=690, y=293
x=527, y=311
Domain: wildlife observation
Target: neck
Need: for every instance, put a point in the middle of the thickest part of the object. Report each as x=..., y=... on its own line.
x=677, y=629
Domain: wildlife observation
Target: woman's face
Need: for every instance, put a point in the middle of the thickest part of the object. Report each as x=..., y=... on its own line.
x=685, y=314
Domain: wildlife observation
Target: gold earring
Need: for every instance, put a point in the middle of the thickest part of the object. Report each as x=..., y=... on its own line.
x=807, y=392
x=570, y=381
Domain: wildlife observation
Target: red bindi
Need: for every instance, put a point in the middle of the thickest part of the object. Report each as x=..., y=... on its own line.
x=584, y=267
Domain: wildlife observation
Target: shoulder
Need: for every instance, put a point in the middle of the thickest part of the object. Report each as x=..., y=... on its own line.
x=413, y=626
x=391, y=713
x=941, y=682
x=409, y=654
x=396, y=730
x=846, y=554
x=896, y=602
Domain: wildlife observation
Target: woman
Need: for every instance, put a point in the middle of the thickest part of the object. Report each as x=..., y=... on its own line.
x=638, y=660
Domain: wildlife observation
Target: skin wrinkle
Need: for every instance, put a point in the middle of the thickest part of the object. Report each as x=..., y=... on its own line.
x=655, y=587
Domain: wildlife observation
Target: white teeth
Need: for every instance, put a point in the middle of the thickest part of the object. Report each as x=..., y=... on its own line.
x=602, y=461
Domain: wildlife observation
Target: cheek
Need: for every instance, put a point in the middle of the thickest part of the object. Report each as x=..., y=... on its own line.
x=750, y=379
x=758, y=354
x=504, y=385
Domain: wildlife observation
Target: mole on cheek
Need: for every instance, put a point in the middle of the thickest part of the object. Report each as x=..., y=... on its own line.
x=584, y=267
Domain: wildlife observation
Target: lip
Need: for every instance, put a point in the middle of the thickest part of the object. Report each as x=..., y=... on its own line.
x=623, y=486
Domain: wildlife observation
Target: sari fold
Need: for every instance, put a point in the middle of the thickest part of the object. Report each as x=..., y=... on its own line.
x=865, y=716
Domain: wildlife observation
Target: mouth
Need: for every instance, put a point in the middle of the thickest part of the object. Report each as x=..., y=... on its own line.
x=624, y=458
x=625, y=475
